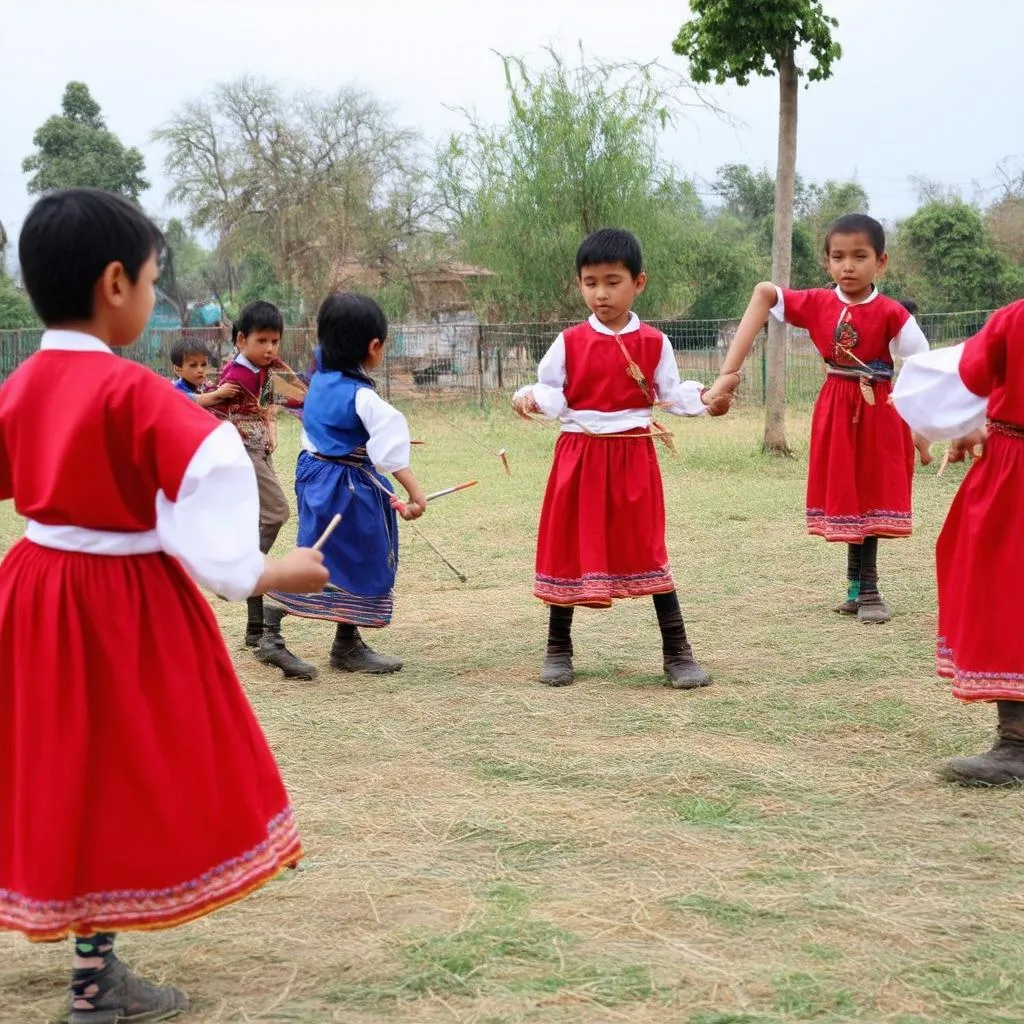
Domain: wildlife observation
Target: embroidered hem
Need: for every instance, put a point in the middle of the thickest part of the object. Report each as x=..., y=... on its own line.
x=598, y=590
x=150, y=910
x=977, y=686
x=337, y=605
x=853, y=529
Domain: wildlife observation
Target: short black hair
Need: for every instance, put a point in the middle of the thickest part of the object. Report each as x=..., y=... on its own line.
x=185, y=347
x=345, y=325
x=258, y=316
x=69, y=238
x=857, y=224
x=611, y=245
x=910, y=306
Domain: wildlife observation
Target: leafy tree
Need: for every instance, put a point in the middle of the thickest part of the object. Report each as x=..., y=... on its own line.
x=734, y=39
x=76, y=148
x=186, y=274
x=15, y=309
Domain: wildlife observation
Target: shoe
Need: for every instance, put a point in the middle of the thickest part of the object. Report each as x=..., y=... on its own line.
x=124, y=997
x=1003, y=765
x=873, y=610
x=253, y=637
x=557, y=670
x=684, y=673
x=350, y=654
x=272, y=650
x=847, y=608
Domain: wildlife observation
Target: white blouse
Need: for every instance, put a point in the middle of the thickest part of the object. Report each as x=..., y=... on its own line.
x=683, y=397
x=931, y=397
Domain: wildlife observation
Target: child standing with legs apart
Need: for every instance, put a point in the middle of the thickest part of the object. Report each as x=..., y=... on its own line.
x=602, y=526
x=350, y=436
x=861, y=463
x=949, y=393
x=136, y=789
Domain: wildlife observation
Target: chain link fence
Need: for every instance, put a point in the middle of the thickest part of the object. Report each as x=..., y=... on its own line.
x=474, y=361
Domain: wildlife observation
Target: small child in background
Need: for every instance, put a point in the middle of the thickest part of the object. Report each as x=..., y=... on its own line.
x=252, y=411
x=861, y=463
x=191, y=361
x=350, y=438
x=952, y=393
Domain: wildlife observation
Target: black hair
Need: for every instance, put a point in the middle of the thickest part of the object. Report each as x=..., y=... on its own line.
x=857, y=224
x=258, y=316
x=346, y=323
x=611, y=245
x=69, y=238
x=910, y=306
x=185, y=347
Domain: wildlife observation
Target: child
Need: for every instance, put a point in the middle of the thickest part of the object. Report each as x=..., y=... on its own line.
x=257, y=339
x=350, y=437
x=602, y=526
x=167, y=803
x=862, y=456
x=191, y=361
x=980, y=552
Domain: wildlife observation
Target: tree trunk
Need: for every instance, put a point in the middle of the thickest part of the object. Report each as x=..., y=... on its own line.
x=782, y=255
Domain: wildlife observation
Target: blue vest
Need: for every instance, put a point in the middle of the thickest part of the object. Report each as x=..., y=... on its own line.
x=329, y=413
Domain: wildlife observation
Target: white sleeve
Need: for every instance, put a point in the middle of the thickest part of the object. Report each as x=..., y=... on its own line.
x=213, y=527
x=932, y=398
x=549, y=391
x=779, y=309
x=389, y=446
x=683, y=396
x=909, y=342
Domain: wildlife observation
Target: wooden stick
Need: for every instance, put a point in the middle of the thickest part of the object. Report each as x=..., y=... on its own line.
x=944, y=463
x=451, y=490
x=419, y=533
x=325, y=536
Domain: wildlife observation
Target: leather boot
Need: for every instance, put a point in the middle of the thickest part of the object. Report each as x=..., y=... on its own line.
x=683, y=671
x=557, y=667
x=124, y=996
x=1004, y=763
x=272, y=651
x=350, y=654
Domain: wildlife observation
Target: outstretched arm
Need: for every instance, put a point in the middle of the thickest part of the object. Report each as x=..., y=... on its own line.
x=764, y=299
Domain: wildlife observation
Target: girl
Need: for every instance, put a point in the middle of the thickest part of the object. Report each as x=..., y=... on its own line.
x=862, y=456
x=350, y=435
x=136, y=789
x=980, y=552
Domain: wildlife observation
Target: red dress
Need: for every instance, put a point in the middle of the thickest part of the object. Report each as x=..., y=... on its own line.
x=980, y=552
x=602, y=525
x=861, y=463
x=136, y=788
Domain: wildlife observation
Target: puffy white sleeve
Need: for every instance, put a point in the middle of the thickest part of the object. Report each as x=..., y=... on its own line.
x=779, y=309
x=213, y=526
x=683, y=396
x=909, y=342
x=549, y=391
x=389, y=446
x=932, y=398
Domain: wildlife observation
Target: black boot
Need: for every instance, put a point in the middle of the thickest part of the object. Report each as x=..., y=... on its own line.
x=254, y=625
x=557, y=667
x=350, y=654
x=272, y=651
x=680, y=665
x=1003, y=765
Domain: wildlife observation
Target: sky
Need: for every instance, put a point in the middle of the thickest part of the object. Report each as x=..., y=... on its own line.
x=925, y=87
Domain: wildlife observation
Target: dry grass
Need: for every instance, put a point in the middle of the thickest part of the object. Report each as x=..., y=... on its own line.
x=481, y=849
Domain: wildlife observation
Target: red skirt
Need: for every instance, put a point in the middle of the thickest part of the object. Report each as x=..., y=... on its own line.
x=861, y=465
x=980, y=560
x=602, y=526
x=136, y=788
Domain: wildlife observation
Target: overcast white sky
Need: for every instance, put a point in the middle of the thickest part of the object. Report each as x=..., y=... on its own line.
x=929, y=87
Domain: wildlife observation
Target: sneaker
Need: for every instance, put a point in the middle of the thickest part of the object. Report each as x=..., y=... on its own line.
x=124, y=997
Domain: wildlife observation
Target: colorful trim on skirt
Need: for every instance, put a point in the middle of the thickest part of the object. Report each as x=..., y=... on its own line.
x=150, y=910
x=338, y=605
x=853, y=529
x=598, y=590
x=977, y=686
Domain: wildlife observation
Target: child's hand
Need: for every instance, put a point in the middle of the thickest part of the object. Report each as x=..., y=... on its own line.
x=524, y=404
x=718, y=398
x=226, y=392
x=414, y=507
x=301, y=571
x=972, y=445
x=924, y=449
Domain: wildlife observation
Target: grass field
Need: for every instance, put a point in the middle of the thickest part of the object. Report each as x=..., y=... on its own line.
x=481, y=849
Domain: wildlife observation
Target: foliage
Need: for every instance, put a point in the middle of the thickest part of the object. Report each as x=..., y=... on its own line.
x=76, y=148
x=185, y=275
x=15, y=308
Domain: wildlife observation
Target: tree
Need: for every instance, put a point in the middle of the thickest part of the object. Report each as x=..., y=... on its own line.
x=76, y=148
x=186, y=273
x=15, y=309
x=578, y=152
x=734, y=39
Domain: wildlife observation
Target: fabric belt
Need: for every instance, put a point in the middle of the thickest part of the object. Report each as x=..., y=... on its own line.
x=877, y=374
x=93, y=542
x=1014, y=430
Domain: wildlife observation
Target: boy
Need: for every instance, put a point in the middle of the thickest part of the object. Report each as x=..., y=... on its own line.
x=257, y=340
x=191, y=361
x=602, y=526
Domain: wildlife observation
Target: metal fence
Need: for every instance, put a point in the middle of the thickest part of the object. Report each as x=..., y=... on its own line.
x=473, y=361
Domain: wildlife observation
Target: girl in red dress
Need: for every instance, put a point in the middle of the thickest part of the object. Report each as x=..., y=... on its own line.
x=862, y=455
x=136, y=788
x=950, y=393
x=602, y=526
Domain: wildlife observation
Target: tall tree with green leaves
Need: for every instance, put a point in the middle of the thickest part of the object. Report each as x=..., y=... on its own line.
x=732, y=40
x=75, y=148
